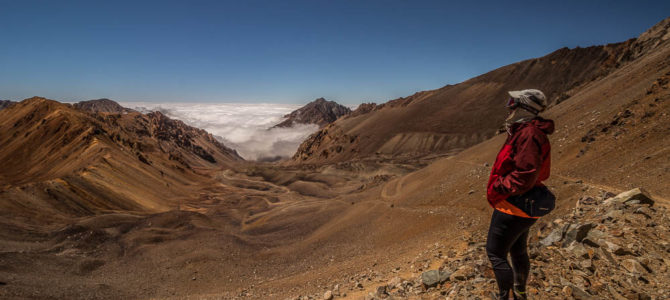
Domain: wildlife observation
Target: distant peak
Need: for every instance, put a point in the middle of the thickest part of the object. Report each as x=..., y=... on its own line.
x=319, y=111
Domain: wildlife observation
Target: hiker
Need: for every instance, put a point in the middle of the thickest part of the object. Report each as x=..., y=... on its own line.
x=516, y=192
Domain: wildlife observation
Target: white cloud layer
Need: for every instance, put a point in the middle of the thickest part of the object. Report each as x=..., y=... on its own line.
x=241, y=126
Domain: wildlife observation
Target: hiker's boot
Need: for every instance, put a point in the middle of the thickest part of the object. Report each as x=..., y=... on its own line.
x=504, y=296
x=520, y=293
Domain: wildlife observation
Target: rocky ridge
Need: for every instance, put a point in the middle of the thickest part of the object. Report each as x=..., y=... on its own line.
x=319, y=111
x=101, y=105
x=6, y=103
x=607, y=247
x=75, y=163
x=175, y=131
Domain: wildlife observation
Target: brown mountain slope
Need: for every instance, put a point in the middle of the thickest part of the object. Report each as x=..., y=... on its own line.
x=319, y=111
x=461, y=115
x=611, y=136
x=61, y=161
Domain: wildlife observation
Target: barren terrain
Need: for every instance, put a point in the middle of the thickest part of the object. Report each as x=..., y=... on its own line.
x=128, y=205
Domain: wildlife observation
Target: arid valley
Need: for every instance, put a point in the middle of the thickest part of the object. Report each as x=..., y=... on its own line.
x=102, y=201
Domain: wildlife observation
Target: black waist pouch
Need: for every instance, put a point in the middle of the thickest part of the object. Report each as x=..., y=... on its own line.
x=537, y=202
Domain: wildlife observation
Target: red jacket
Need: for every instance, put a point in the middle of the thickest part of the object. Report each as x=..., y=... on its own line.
x=522, y=163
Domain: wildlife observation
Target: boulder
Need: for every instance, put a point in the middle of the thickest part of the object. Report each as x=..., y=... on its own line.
x=614, y=214
x=381, y=291
x=595, y=238
x=606, y=255
x=328, y=295
x=634, y=196
x=463, y=273
x=580, y=294
x=432, y=278
x=578, y=250
x=616, y=248
x=577, y=232
x=633, y=266
x=645, y=211
x=587, y=265
x=555, y=236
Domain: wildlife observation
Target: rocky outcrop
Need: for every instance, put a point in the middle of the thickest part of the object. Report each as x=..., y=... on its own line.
x=5, y=103
x=605, y=248
x=319, y=111
x=331, y=135
x=193, y=139
x=101, y=105
x=362, y=109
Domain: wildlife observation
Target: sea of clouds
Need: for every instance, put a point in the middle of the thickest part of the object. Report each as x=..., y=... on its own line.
x=242, y=126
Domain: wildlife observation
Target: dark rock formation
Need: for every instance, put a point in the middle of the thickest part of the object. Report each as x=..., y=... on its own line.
x=6, y=103
x=195, y=140
x=101, y=105
x=362, y=109
x=319, y=111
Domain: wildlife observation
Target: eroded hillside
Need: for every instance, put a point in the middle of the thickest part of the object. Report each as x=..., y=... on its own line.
x=59, y=161
x=457, y=116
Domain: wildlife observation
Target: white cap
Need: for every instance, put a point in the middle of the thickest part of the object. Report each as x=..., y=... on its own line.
x=530, y=99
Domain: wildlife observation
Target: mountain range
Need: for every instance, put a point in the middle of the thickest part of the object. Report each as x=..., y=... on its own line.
x=458, y=116
x=102, y=202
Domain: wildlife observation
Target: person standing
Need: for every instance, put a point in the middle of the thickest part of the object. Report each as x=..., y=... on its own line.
x=516, y=192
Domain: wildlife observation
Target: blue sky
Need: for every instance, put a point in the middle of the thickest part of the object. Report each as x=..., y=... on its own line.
x=287, y=51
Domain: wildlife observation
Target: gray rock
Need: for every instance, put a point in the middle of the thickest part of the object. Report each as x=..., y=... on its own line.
x=586, y=201
x=463, y=273
x=328, y=295
x=587, y=265
x=596, y=238
x=614, y=214
x=555, y=236
x=645, y=211
x=633, y=266
x=381, y=291
x=578, y=250
x=634, y=196
x=580, y=294
x=616, y=248
x=606, y=195
x=577, y=232
x=433, y=277
x=608, y=256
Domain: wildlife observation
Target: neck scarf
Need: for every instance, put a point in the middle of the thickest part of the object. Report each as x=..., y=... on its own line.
x=517, y=116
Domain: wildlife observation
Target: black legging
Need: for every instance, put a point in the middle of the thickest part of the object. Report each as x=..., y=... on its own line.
x=509, y=234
